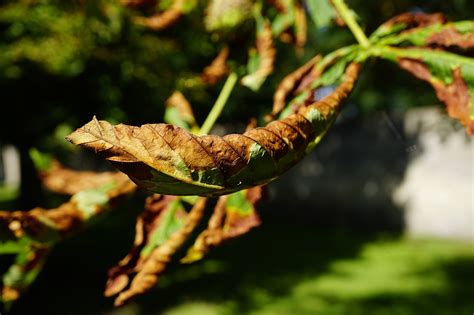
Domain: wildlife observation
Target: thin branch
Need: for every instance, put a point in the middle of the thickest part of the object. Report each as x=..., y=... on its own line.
x=219, y=104
x=348, y=16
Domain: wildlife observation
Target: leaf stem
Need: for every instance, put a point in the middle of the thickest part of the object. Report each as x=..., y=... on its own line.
x=219, y=104
x=348, y=16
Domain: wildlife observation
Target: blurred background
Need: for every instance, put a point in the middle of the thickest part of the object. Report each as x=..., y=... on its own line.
x=377, y=220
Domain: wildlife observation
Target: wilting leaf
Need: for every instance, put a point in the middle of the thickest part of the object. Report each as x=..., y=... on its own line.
x=179, y=112
x=234, y=215
x=262, y=58
x=457, y=95
x=321, y=11
x=218, y=69
x=169, y=160
x=51, y=225
x=450, y=74
x=161, y=231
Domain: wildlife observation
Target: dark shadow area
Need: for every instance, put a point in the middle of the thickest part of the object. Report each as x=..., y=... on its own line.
x=279, y=267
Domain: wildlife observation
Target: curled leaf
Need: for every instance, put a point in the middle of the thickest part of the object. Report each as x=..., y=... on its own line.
x=158, y=259
x=234, y=215
x=218, y=68
x=169, y=160
x=262, y=58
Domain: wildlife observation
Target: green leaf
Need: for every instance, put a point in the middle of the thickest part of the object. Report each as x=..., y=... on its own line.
x=321, y=11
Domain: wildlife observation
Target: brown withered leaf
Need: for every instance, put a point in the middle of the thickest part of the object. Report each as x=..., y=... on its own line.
x=450, y=36
x=456, y=95
x=150, y=268
x=165, y=19
x=157, y=208
x=67, y=181
x=233, y=216
x=169, y=160
x=288, y=85
x=218, y=68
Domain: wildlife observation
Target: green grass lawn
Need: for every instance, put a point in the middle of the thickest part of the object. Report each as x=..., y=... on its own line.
x=391, y=276
x=278, y=269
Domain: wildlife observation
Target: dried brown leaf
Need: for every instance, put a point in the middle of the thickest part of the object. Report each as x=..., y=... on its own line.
x=449, y=37
x=67, y=181
x=119, y=276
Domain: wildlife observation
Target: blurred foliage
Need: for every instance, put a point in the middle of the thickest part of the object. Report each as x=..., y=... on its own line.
x=61, y=62
x=315, y=271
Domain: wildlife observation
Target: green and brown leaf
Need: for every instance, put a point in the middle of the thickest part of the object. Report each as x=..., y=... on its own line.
x=233, y=216
x=169, y=160
x=160, y=231
x=428, y=56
